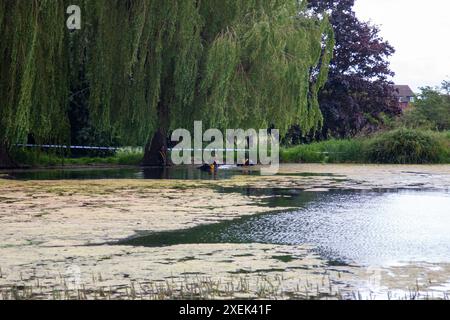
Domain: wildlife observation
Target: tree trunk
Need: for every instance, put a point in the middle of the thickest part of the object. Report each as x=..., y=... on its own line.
x=6, y=161
x=156, y=150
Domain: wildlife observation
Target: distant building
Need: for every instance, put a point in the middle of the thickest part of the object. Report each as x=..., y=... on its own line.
x=405, y=96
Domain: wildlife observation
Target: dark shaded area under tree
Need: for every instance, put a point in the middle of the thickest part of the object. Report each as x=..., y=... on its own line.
x=5, y=158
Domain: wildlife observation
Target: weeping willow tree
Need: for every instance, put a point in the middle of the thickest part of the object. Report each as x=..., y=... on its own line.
x=33, y=73
x=264, y=68
x=142, y=66
x=165, y=64
x=146, y=67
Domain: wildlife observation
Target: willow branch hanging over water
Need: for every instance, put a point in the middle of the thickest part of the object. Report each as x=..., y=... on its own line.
x=149, y=64
x=33, y=70
x=258, y=68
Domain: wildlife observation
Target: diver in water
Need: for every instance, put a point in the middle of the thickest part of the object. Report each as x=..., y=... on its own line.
x=246, y=163
x=213, y=167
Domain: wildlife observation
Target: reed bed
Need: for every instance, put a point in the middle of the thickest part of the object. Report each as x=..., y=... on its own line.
x=205, y=288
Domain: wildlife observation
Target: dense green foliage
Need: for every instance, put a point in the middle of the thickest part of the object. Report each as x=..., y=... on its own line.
x=431, y=110
x=33, y=71
x=407, y=146
x=401, y=146
x=257, y=71
x=139, y=65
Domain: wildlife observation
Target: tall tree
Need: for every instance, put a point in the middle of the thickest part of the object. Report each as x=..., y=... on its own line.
x=228, y=63
x=358, y=93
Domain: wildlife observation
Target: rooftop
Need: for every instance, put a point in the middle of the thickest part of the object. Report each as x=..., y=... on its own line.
x=404, y=91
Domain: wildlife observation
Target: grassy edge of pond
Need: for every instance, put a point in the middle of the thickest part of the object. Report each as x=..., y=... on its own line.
x=38, y=159
x=400, y=146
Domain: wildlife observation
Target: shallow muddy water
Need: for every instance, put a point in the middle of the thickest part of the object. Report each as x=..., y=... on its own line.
x=363, y=228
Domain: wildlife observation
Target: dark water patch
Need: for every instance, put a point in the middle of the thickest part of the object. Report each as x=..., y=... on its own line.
x=346, y=227
x=336, y=263
x=150, y=173
x=192, y=273
x=153, y=173
x=187, y=259
x=257, y=271
x=243, y=255
x=285, y=259
x=310, y=174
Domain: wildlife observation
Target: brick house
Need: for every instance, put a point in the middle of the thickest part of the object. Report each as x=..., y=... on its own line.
x=405, y=96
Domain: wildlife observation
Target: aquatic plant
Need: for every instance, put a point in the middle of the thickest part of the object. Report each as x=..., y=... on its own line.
x=205, y=288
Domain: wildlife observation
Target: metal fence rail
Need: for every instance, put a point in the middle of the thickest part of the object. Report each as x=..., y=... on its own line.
x=54, y=146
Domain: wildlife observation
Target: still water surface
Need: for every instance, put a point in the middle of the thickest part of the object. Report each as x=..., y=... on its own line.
x=364, y=228
x=158, y=173
x=173, y=173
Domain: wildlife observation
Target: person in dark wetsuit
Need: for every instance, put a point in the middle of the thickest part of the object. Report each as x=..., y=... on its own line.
x=210, y=167
x=247, y=163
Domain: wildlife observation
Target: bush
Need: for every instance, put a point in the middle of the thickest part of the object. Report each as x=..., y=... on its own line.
x=407, y=146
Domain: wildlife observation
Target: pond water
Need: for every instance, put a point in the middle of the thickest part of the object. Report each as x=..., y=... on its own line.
x=172, y=173
x=352, y=227
x=380, y=227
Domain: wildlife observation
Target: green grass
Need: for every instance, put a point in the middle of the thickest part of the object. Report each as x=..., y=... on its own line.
x=331, y=151
x=400, y=146
x=43, y=159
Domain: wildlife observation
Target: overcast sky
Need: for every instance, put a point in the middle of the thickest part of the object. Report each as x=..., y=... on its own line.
x=420, y=32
